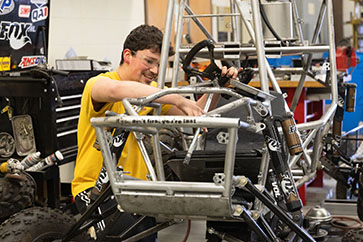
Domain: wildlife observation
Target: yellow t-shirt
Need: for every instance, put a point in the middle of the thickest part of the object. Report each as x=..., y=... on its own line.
x=89, y=160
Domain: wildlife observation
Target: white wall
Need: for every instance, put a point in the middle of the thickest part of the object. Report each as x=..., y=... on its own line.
x=93, y=28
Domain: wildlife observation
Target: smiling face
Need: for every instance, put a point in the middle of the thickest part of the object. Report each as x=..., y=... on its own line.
x=146, y=66
x=140, y=56
x=142, y=65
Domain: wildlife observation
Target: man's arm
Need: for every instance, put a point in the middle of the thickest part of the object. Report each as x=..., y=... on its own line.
x=106, y=90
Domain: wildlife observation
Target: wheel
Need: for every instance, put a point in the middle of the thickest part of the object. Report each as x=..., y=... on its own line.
x=341, y=190
x=37, y=224
x=17, y=192
x=171, y=139
x=360, y=198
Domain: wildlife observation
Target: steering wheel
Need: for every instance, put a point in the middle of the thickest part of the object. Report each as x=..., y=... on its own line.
x=212, y=71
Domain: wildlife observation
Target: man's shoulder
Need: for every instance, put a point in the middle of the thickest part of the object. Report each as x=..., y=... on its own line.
x=154, y=84
x=112, y=75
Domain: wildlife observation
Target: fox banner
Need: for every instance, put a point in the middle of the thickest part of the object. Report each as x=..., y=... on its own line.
x=23, y=33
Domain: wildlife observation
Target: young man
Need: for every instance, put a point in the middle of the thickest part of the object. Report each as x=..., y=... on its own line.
x=134, y=78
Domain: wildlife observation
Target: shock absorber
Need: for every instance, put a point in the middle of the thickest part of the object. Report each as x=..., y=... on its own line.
x=279, y=159
x=339, y=113
x=350, y=98
x=291, y=135
x=275, y=186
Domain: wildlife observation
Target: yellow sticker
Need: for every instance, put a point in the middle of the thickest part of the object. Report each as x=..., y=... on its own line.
x=5, y=65
x=1, y=63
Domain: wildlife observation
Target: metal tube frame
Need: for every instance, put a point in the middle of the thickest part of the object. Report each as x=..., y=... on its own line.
x=160, y=187
x=307, y=65
x=118, y=183
x=315, y=126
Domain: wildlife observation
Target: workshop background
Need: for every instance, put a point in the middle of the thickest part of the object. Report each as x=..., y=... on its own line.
x=98, y=31
x=98, y=35
x=93, y=31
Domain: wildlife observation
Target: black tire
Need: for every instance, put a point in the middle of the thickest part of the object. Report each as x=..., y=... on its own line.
x=37, y=224
x=17, y=191
x=341, y=190
x=360, y=198
x=170, y=138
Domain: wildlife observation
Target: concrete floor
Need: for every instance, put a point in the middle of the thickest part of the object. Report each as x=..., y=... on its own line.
x=314, y=196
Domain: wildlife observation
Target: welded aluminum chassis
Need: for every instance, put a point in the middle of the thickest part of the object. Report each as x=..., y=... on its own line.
x=216, y=195
x=317, y=129
x=213, y=200
x=193, y=200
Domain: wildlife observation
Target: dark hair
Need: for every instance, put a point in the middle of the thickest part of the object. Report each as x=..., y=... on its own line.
x=144, y=37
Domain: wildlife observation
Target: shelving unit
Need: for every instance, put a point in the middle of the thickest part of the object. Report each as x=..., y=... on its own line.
x=356, y=20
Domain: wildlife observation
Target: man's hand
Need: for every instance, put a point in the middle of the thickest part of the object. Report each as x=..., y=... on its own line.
x=230, y=72
x=188, y=107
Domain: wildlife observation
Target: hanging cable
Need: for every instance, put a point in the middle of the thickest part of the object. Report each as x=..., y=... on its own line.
x=268, y=24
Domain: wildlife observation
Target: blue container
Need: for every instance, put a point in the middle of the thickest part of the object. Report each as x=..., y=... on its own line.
x=283, y=61
x=351, y=120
